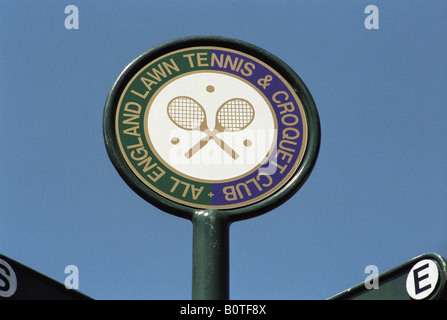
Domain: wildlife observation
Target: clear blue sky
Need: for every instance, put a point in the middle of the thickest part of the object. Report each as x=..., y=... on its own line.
x=377, y=195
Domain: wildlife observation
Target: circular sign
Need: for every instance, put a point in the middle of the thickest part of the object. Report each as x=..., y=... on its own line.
x=422, y=279
x=8, y=280
x=211, y=123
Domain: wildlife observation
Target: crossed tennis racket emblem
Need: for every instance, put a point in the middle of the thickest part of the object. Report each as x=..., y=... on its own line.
x=234, y=115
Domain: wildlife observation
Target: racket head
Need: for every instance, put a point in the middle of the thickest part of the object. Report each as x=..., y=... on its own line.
x=235, y=115
x=186, y=113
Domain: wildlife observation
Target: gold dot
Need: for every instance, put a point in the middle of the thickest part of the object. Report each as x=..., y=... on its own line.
x=210, y=88
x=247, y=142
x=175, y=140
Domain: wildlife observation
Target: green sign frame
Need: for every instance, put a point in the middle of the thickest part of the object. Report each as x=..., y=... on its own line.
x=115, y=150
x=130, y=107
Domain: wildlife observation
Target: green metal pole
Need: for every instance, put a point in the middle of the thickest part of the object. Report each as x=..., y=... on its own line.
x=210, y=255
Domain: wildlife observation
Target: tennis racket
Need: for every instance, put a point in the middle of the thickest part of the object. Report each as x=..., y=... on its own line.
x=188, y=114
x=234, y=115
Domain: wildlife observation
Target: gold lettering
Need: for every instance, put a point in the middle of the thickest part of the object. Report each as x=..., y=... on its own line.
x=196, y=191
x=282, y=168
x=230, y=193
x=187, y=185
x=139, y=144
x=177, y=181
x=278, y=93
x=232, y=64
x=255, y=183
x=284, y=155
x=147, y=165
x=189, y=56
x=288, y=107
x=281, y=145
x=214, y=59
x=130, y=119
x=289, y=115
x=157, y=73
x=132, y=131
x=202, y=57
x=128, y=108
x=140, y=150
x=239, y=65
x=156, y=176
x=148, y=83
x=270, y=180
x=241, y=190
x=142, y=96
x=248, y=69
x=238, y=189
x=172, y=66
x=285, y=134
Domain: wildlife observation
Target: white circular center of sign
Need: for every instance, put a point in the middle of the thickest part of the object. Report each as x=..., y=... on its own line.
x=422, y=279
x=211, y=126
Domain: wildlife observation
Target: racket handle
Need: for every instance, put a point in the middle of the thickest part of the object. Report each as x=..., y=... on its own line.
x=199, y=145
x=226, y=148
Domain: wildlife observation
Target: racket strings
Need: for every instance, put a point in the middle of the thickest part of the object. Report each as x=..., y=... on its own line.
x=186, y=113
x=235, y=115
